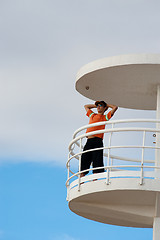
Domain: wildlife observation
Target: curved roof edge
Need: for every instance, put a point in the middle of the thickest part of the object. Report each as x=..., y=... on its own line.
x=120, y=60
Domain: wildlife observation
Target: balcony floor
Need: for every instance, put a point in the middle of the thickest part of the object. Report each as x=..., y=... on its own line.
x=124, y=202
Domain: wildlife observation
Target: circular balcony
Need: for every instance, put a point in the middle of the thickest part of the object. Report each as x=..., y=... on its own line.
x=125, y=194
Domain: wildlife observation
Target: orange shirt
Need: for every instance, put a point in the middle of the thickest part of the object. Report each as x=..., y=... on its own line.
x=94, y=118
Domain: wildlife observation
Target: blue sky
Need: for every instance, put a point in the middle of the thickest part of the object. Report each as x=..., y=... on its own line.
x=43, y=44
x=33, y=206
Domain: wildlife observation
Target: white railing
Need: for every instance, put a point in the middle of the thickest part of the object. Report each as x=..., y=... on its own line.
x=138, y=141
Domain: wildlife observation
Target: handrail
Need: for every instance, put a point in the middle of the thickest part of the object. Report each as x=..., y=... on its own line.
x=117, y=157
x=114, y=122
x=106, y=167
x=113, y=130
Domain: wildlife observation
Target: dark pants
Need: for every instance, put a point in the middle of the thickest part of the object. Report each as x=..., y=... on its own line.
x=95, y=157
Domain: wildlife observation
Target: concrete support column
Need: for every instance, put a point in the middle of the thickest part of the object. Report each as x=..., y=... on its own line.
x=156, y=220
x=157, y=160
x=156, y=228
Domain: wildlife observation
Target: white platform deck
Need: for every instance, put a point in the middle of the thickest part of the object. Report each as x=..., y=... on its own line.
x=124, y=202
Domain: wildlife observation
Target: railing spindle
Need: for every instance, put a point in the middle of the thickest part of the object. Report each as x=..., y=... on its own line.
x=142, y=160
x=79, y=177
x=108, y=159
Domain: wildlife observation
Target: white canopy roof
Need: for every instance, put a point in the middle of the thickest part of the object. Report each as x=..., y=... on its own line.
x=128, y=81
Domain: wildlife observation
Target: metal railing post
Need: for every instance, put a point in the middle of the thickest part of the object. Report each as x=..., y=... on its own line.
x=68, y=168
x=79, y=177
x=68, y=176
x=108, y=159
x=142, y=160
x=111, y=163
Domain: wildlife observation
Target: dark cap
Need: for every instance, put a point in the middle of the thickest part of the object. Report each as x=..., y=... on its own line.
x=101, y=102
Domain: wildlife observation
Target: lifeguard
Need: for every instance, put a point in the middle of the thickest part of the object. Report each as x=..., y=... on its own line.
x=95, y=140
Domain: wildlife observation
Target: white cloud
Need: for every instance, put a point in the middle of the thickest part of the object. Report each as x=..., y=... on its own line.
x=42, y=47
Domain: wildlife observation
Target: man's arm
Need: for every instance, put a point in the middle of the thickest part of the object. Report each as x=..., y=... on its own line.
x=114, y=108
x=89, y=106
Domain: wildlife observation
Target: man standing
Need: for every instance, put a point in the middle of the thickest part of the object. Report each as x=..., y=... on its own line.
x=95, y=140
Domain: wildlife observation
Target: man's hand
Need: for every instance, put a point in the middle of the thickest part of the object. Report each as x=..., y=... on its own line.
x=89, y=106
x=114, y=108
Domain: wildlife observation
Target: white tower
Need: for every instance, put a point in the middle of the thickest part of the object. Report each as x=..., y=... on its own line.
x=128, y=192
